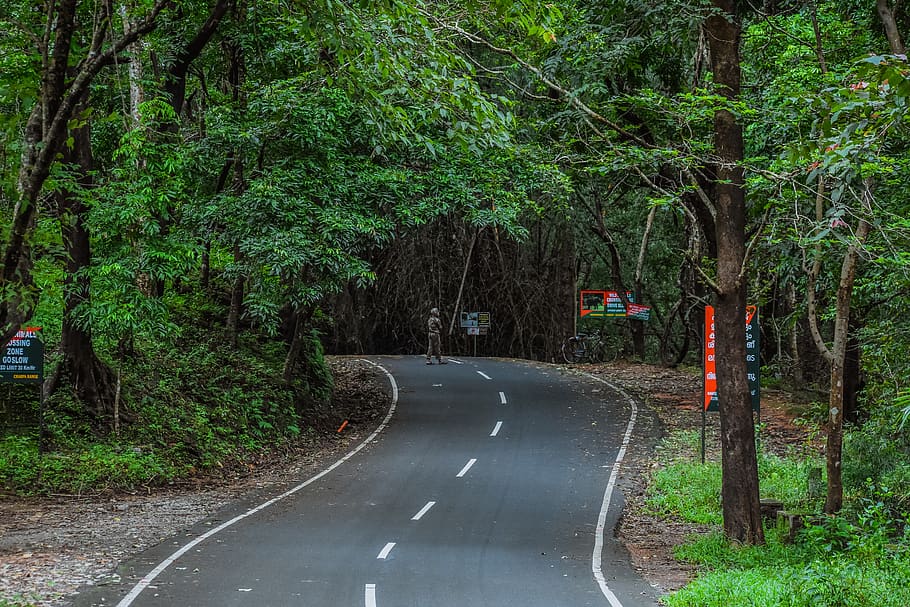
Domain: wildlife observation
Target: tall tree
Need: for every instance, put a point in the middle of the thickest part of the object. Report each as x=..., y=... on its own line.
x=741, y=508
x=845, y=153
x=90, y=378
x=59, y=96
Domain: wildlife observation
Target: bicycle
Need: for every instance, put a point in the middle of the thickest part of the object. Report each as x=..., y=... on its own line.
x=584, y=347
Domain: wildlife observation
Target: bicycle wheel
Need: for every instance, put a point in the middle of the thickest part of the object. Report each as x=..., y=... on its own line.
x=573, y=350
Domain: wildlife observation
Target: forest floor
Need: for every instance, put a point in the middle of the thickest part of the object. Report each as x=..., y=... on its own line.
x=51, y=546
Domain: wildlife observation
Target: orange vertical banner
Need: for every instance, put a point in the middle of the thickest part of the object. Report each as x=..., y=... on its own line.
x=710, y=358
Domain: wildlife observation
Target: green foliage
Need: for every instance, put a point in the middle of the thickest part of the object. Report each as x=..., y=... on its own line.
x=687, y=490
x=200, y=407
x=859, y=558
x=835, y=583
x=787, y=479
x=94, y=468
x=877, y=457
x=315, y=383
x=207, y=405
x=877, y=452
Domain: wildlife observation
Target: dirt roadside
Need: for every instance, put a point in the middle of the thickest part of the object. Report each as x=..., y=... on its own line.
x=50, y=547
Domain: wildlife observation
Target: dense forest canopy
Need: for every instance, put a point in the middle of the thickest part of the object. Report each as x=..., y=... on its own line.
x=281, y=177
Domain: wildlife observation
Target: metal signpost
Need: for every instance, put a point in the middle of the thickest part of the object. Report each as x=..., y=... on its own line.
x=753, y=366
x=475, y=323
x=22, y=362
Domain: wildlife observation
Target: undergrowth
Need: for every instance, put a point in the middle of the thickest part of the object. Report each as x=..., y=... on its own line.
x=197, y=406
x=858, y=558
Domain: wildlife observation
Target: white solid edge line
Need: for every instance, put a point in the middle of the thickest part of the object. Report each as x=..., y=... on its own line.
x=502, y=398
x=484, y=375
x=154, y=573
x=423, y=511
x=384, y=553
x=596, y=559
x=467, y=467
x=496, y=429
x=369, y=595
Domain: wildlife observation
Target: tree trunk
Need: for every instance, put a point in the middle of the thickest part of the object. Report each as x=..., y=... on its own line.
x=838, y=354
x=891, y=32
x=741, y=508
x=290, y=361
x=90, y=377
x=796, y=362
x=175, y=84
x=33, y=172
x=638, y=326
x=835, y=442
x=853, y=371
x=301, y=321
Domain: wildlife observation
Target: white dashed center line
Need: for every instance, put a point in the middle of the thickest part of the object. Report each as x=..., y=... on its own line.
x=496, y=429
x=484, y=375
x=502, y=397
x=384, y=553
x=423, y=511
x=369, y=595
x=467, y=467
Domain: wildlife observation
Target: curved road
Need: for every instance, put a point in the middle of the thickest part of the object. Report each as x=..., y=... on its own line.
x=489, y=483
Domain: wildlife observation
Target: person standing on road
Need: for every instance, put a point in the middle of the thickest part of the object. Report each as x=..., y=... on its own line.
x=434, y=328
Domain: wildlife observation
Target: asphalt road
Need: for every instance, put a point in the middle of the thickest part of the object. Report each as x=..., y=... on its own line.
x=491, y=483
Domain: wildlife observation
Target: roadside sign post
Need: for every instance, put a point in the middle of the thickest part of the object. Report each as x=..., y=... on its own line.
x=753, y=366
x=475, y=323
x=22, y=362
x=610, y=304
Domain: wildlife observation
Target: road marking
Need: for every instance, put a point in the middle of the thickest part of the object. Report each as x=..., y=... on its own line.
x=369, y=595
x=142, y=584
x=467, y=467
x=456, y=361
x=423, y=511
x=384, y=553
x=484, y=375
x=502, y=398
x=596, y=564
x=496, y=429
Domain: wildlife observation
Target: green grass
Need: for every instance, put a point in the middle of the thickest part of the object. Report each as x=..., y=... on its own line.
x=687, y=490
x=690, y=490
x=858, y=559
x=93, y=468
x=838, y=582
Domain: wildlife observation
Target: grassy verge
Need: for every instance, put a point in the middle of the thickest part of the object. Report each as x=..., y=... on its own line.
x=857, y=559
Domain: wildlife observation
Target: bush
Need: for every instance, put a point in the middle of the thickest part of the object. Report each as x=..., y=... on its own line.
x=95, y=468
x=878, y=455
x=197, y=405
